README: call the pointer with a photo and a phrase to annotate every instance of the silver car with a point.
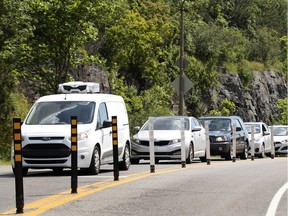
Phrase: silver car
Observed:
(167, 140)
(280, 133)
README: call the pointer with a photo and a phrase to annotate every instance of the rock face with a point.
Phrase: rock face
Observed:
(255, 102)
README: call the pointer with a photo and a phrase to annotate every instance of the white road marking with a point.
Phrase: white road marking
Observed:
(276, 199)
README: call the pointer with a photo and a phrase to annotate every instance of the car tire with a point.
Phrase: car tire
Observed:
(204, 158)
(262, 154)
(125, 164)
(94, 168)
(229, 155)
(244, 154)
(134, 161)
(190, 157)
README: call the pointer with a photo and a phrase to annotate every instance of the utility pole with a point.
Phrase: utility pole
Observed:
(181, 74)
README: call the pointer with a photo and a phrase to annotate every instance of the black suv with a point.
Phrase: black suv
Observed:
(221, 139)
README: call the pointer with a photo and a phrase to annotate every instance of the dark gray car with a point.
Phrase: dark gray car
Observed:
(221, 139)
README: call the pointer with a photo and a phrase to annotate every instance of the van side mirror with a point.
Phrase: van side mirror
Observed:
(107, 123)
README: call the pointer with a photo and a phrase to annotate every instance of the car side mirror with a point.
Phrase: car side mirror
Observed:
(107, 123)
(238, 128)
(137, 128)
(266, 133)
(196, 128)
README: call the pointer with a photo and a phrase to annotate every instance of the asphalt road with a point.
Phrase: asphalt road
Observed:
(223, 188)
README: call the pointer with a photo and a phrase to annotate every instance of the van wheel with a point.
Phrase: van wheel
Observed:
(125, 164)
(94, 168)
(190, 155)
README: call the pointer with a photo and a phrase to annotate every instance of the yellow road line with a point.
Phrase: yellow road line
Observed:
(39, 206)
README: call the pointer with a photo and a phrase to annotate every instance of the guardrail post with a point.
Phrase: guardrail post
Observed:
(115, 148)
(234, 142)
(252, 143)
(272, 144)
(18, 165)
(151, 145)
(207, 141)
(74, 161)
(183, 153)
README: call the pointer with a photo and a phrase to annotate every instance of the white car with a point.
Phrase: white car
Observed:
(280, 133)
(167, 140)
(262, 138)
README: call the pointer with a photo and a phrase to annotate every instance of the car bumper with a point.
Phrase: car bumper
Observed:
(219, 148)
(161, 152)
(258, 148)
(281, 148)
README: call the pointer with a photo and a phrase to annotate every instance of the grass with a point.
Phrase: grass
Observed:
(4, 162)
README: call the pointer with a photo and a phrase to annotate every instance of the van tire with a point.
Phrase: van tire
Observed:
(94, 168)
(125, 164)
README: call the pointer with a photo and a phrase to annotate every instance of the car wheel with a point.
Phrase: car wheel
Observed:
(229, 155)
(244, 154)
(94, 168)
(262, 155)
(203, 159)
(134, 161)
(190, 155)
(125, 164)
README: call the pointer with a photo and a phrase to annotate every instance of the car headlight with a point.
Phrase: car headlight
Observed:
(284, 141)
(174, 141)
(136, 141)
(257, 139)
(221, 138)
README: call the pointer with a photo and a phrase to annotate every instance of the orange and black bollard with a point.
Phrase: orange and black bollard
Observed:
(74, 162)
(18, 165)
(115, 148)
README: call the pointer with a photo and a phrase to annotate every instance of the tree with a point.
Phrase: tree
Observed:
(282, 107)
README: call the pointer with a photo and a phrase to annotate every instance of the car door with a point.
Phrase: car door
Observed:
(199, 135)
(267, 137)
(240, 136)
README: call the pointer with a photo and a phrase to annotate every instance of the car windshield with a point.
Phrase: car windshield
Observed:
(60, 112)
(218, 124)
(256, 128)
(280, 131)
(167, 124)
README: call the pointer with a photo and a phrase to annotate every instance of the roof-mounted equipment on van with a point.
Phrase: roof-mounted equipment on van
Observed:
(78, 87)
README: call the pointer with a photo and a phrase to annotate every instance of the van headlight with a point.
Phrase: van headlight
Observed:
(221, 139)
(81, 136)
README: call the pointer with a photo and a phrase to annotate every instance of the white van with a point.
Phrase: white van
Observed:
(46, 131)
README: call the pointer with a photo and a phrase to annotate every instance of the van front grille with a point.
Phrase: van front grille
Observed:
(51, 150)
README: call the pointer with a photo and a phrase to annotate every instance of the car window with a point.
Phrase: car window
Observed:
(256, 128)
(280, 131)
(219, 124)
(102, 115)
(167, 124)
(236, 121)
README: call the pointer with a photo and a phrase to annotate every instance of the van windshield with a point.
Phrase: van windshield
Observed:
(60, 112)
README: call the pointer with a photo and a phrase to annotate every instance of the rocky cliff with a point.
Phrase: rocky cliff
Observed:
(255, 102)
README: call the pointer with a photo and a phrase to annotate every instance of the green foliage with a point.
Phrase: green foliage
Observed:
(226, 108)
(282, 107)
